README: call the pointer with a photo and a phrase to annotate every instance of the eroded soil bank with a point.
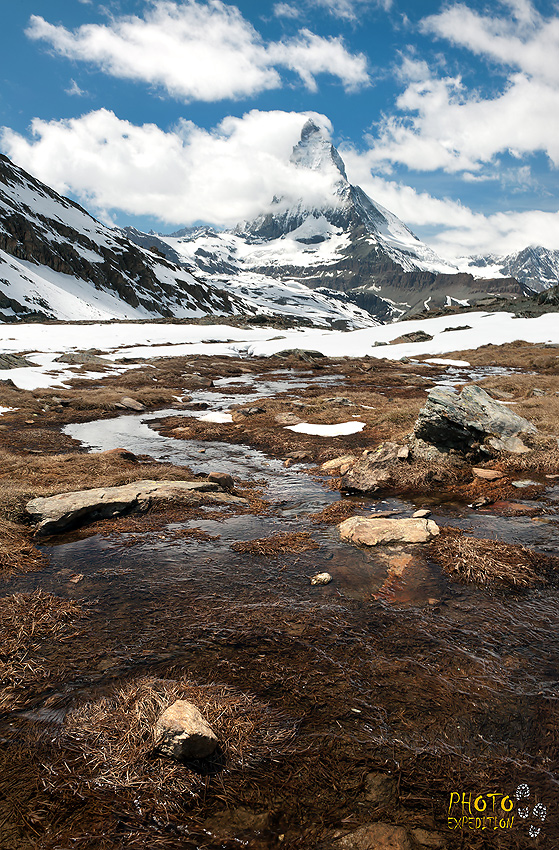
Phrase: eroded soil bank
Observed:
(368, 701)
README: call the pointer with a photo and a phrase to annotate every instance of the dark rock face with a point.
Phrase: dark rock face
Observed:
(463, 422)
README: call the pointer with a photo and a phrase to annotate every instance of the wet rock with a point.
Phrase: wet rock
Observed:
(370, 471)
(371, 532)
(522, 483)
(376, 836)
(299, 455)
(13, 361)
(338, 462)
(223, 479)
(464, 421)
(197, 381)
(132, 404)
(421, 514)
(488, 474)
(183, 733)
(380, 789)
(510, 444)
(321, 578)
(433, 840)
(68, 510)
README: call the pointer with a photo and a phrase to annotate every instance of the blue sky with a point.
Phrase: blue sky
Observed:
(162, 113)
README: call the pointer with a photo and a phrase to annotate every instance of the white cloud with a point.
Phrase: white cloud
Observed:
(350, 9)
(74, 89)
(284, 10)
(200, 51)
(455, 229)
(443, 125)
(189, 174)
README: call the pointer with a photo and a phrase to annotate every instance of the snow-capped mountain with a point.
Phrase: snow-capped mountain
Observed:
(56, 261)
(345, 247)
(535, 266)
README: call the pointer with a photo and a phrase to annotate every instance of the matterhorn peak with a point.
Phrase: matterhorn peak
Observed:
(316, 151)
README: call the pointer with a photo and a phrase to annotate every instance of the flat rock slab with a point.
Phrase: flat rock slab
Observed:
(488, 474)
(372, 532)
(55, 514)
(183, 733)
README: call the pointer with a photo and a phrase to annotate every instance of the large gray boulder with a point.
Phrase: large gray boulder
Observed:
(55, 514)
(464, 421)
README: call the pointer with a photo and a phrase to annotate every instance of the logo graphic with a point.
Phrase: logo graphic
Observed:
(538, 812)
(496, 810)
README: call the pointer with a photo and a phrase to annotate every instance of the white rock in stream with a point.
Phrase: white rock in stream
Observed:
(183, 733)
(321, 578)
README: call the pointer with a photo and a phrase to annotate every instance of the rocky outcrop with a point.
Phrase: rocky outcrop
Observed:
(366, 531)
(183, 733)
(463, 422)
(55, 514)
(373, 469)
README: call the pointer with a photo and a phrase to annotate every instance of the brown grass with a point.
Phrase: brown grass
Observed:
(278, 544)
(472, 560)
(518, 355)
(336, 512)
(27, 620)
(110, 743)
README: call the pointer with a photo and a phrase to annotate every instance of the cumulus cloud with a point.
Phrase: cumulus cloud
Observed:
(454, 229)
(200, 51)
(440, 123)
(181, 176)
(349, 10)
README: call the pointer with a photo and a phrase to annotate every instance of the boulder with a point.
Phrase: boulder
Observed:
(79, 358)
(376, 836)
(55, 514)
(464, 421)
(413, 336)
(338, 463)
(223, 479)
(132, 404)
(13, 361)
(370, 471)
(303, 354)
(183, 733)
(367, 531)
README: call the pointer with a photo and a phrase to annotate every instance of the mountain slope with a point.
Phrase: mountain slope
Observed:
(344, 246)
(535, 266)
(56, 261)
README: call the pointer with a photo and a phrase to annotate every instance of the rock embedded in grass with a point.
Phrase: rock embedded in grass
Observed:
(367, 531)
(183, 733)
(321, 579)
(376, 836)
(464, 421)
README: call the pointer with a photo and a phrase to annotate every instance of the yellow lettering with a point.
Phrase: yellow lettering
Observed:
(453, 794)
(479, 808)
(467, 802)
(493, 795)
(504, 807)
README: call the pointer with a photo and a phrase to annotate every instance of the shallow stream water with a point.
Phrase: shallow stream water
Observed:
(468, 674)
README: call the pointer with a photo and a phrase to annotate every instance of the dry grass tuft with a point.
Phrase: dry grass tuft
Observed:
(27, 620)
(278, 544)
(336, 512)
(111, 743)
(471, 560)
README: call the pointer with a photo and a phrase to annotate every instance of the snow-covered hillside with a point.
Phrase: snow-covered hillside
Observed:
(535, 266)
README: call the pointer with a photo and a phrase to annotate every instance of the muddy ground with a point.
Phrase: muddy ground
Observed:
(334, 712)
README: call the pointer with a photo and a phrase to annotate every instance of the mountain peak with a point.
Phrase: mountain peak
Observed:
(316, 151)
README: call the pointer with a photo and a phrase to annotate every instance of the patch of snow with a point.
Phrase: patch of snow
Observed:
(338, 430)
(215, 416)
(439, 361)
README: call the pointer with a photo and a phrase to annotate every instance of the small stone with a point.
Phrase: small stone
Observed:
(524, 482)
(132, 404)
(510, 444)
(223, 479)
(488, 474)
(183, 733)
(321, 578)
(421, 514)
(432, 601)
(334, 465)
(75, 578)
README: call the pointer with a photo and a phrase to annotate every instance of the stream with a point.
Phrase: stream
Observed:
(465, 674)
